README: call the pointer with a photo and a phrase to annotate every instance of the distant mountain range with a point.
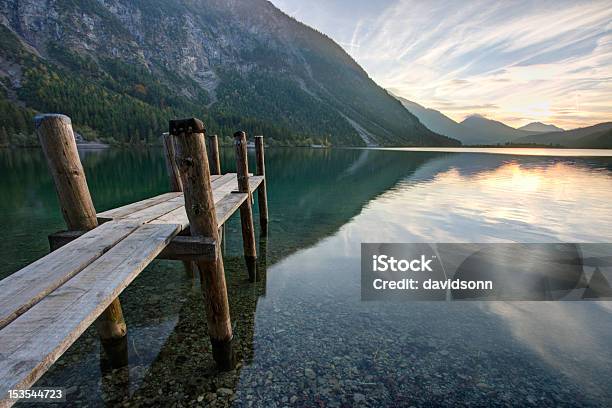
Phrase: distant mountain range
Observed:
(594, 137)
(478, 130)
(490, 131)
(473, 130)
(540, 128)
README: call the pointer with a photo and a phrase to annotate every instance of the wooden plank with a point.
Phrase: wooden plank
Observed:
(229, 205)
(156, 211)
(183, 247)
(254, 182)
(125, 210)
(119, 212)
(36, 339)
(221, 186)
(24, 288)
(137, 206)
(188, 248)
(224, 207)
(223, 180)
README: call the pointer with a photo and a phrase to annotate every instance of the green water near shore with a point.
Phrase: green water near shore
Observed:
(303, 335)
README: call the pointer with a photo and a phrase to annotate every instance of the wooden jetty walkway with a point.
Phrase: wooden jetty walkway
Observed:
(47, 305)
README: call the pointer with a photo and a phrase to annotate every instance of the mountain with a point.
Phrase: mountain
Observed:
(493, 130)
(597, 136)
(437, 122)
(472, 131)
(597, 140)
(477, 129)
(122, 68)
(540, 128)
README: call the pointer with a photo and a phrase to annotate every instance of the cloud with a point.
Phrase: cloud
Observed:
(453, 106)
(515, 60)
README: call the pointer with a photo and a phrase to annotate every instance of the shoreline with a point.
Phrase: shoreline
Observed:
(515, 151)
(523, 151)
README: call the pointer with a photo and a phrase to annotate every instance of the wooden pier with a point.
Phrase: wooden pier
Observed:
(47, 305)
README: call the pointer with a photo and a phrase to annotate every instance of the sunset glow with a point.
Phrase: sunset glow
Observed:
(514, 61)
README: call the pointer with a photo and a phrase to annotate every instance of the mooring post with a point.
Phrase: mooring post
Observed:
(246, 209)
(195, 174)
(262, 194)
(59, 146)
(213, 150)
(215, 168)
(173, 171)
(175, 181)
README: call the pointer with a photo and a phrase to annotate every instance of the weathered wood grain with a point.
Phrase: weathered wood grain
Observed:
(262, 193)
(155, 211)
(200, 208)
(173, 172)
(58, 143)
(182, 247)
(33, 341)
(224, 187)
(175, 179)
(224, 208)
(254, 183)
(228, 206)
(137, 206)
(155, 207)
(128, 209)
(188, 248)
(24, 288)
(225, 205)
(246, 208)
(213, 153)
(39, 315)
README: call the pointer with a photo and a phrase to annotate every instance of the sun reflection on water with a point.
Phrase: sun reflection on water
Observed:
(512, 202)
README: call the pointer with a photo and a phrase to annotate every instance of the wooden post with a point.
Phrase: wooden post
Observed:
(262, 194)
(246, 209)
(175, 181)
(173, 171)
(58, 143)
(213, 150)
(215, 168)
(195, 174)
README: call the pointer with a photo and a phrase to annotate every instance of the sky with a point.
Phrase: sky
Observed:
(513, 61)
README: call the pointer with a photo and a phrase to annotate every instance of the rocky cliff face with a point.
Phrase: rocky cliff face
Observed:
(234, 62)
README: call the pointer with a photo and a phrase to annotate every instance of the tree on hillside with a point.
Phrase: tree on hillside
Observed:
(4, 138)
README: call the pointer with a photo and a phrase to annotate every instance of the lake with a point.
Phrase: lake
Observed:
(303, 335)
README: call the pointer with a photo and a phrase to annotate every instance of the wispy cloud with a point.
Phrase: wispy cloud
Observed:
(515, 61)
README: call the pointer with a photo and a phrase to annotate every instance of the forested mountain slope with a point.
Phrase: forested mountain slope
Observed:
(122, 68)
